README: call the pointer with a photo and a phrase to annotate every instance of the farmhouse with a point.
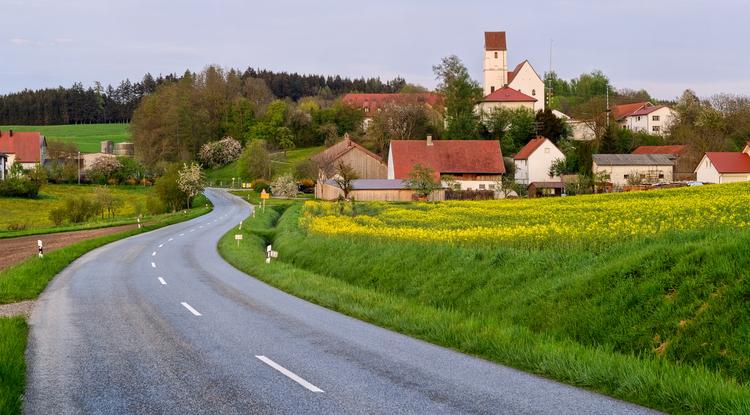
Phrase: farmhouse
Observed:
(26, 148)
(684, 161)
(534, 160)
(365, 163)
(375, 189)
(634, 168)
(372, 104)
(644, 117)
(473, 164)
(724, 167)
(522, 79)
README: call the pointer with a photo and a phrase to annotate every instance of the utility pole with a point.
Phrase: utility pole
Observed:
(607, 86)
(549, 77)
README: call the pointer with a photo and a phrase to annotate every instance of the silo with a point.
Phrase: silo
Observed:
(106, 147)
(124, 149)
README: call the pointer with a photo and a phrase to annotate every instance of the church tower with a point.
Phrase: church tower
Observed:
(495, 62)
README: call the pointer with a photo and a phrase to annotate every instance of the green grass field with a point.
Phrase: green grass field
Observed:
(658, 318)
(85, 136)
(282, 164)
(33, 214)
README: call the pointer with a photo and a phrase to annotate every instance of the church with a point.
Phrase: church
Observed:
(520, 88)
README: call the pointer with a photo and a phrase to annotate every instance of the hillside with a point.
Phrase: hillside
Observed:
(641, 296)
(86, 136)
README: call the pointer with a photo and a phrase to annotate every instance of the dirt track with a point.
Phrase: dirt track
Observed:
(15, 250)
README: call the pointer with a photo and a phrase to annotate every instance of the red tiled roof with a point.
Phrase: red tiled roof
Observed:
(675, 149)
(375, 101)
(25, 145)
(494, 41)
(529, 148)
(507, 94)
(621, 111)
(647, 110)
(447, 157)
(730, 162)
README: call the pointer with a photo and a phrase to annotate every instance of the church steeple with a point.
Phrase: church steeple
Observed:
(495, 62)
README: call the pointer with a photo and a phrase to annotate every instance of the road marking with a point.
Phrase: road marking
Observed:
(161, 280)
(182, 234)
(191, 309)
(153, 253)
(200, 226)
(170, 239)
(192, 230)
(153, 265)
(309, 386)
(160, 245)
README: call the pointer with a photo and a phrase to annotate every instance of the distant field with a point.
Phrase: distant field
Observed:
(85, 136)
(281, 164)
(33, 214)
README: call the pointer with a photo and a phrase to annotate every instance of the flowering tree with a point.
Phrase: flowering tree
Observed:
(285, 186)
(219, 153)
(190, 180)
(103, 169)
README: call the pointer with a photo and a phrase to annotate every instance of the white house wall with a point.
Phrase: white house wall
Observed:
(617, 173)
(540, 162)
(706, 172)
(528, 82)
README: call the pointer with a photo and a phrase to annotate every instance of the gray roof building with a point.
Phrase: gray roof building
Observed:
(632, 160)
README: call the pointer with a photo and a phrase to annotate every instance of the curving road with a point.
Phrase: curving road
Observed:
(159, 323)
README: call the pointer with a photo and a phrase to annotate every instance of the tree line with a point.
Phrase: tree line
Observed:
(99, 104)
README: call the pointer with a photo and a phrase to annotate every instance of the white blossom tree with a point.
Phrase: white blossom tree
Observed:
(285, 186)
(190, 180)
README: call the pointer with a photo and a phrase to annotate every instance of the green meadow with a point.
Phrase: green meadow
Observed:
(86, 136)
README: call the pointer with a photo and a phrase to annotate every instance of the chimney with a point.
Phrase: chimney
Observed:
(429, 140)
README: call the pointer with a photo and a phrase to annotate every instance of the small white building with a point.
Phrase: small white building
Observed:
(534, 161)
(579, 130)
(645, 168)
(724, 167)
(644, 117)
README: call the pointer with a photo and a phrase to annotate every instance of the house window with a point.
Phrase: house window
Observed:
(707, 164)
(533, 92)
(655, 128)
(367, 109)
(481, 187)
(495, 55)
(637, 118)
(546, 149)
(655, 118)
(661, 175)
(492, 89)
(626, 176)
(492, 187)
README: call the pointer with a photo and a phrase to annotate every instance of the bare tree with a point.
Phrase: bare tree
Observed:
(345, 177)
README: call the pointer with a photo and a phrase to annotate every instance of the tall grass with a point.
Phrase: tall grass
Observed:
(13, 333)
(587, 319)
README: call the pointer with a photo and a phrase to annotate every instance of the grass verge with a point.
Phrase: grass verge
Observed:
(13, 332)
(635, 377)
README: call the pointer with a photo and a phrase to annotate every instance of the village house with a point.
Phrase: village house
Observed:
(473, 164)
(579, 130)
(26, 148)
(534, 161)
(644, 117)
(366, 164)
(724, 167)
(684, 161)
(526, 84)
(624, 169)
(372, 104)
(3, 165)
(375, 189)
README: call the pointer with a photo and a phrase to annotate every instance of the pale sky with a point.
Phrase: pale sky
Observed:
(664, 46)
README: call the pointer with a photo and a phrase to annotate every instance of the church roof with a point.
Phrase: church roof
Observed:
(494, 41)
(507, 94)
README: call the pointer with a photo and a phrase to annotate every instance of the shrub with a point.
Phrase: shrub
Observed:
(19, 186)
(16, 226)
(154, 206)
(57, 215)
(75, 209)
(260, 185)
(168, 191)
(219, 153)
(285, 186)
(255, 162)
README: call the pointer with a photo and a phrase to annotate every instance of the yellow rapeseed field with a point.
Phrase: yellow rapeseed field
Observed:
(536, 222)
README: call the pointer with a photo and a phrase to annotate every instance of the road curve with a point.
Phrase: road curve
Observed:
(158, 323)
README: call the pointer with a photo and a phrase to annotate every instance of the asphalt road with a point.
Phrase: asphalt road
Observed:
(159, 323)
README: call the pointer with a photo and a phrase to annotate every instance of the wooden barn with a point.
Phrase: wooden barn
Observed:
(374, 189)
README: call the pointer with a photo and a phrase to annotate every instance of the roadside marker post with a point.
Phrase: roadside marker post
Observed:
(139, 222)
(270, 253)
(263, 196)
(241, 225)
(238, 238)
(41, 248)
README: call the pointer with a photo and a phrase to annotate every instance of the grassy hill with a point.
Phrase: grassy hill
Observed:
(642, 296)
(85, 136)
(281, 164)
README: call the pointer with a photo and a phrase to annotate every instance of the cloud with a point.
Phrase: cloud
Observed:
(24, 42)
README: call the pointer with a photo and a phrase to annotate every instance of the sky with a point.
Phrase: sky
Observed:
(663, 46)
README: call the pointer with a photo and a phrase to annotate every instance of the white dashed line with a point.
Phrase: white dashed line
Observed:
(182, 234)
(170, 239)
(153, 265)
(160, 245)
(161, 280)
(192, 230)
(191, 309)
(309, 386)
(153, 253)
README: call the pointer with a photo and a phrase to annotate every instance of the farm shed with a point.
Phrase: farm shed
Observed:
(373, 189)
(725, 167)
(683, 157)
(365, 163)
(545, 189)
(647, 168)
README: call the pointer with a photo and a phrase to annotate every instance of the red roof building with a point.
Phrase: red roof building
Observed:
(625, 110)
(724, 167)
(728, 162)
(529, 148)
(507, 94)
(495, 41)
(466, 160)
(26, 147)
(674, 149)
